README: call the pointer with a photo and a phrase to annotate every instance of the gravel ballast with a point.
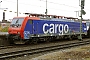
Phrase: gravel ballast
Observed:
(80, 53)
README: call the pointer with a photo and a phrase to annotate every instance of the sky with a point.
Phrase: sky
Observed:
(66, 8)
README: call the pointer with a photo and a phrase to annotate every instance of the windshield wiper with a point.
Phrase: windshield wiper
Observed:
(17, 21)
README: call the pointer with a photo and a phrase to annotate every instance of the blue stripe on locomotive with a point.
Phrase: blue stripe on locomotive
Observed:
(51, 27)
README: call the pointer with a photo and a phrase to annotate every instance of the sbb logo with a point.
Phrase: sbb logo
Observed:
(55, 28)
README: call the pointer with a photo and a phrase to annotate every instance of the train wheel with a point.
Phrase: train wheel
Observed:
(35, 41)
(48, 39)
(30, 41)
(11, 41)
(70, 37)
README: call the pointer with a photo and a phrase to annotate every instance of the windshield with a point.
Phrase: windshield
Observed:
(17, 22)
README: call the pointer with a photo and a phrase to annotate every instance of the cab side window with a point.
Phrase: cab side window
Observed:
(30, 21)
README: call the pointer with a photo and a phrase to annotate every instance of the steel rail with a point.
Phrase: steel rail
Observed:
(39, 50)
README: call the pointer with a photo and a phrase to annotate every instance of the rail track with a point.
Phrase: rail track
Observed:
(5, 47)
(43, 49)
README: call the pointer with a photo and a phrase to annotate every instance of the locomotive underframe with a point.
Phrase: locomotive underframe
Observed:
(12, 38)
(34, 38)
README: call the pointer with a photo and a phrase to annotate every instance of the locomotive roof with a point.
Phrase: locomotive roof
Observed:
(51, 16)
(33, 18)
(55, 16)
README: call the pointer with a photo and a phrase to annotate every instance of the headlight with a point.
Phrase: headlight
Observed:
(18, 32)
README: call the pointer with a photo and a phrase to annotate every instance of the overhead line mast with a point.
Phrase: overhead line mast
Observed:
(82, 7)
(46, 9)
(17, 8)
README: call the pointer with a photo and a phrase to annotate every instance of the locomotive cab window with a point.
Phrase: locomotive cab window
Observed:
(17, 22)
(31, 22)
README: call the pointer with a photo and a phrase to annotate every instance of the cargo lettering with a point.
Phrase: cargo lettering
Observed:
(55, 28)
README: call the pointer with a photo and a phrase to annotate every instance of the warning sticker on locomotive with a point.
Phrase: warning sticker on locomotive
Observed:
(26, 34)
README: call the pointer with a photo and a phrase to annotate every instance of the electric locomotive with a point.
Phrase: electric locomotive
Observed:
(39, 27)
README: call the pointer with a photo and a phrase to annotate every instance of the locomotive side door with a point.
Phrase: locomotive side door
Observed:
(29, 26)
(28, 30)
(35, 27)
